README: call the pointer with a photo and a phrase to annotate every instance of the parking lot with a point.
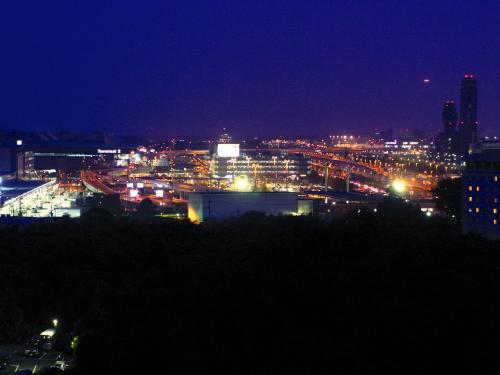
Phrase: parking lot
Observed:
(19, 362)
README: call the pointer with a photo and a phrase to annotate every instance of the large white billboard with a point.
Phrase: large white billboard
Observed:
(228, 150)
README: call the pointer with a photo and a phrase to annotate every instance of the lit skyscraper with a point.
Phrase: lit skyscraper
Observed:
(468, 113)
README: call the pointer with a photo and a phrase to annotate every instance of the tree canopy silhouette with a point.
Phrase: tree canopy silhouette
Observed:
(254, 294)
(146, 208)
(448, 195)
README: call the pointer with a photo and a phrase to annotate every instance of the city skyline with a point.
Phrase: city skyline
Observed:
(258, 69)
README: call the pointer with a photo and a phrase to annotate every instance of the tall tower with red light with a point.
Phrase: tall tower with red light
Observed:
(468, 113)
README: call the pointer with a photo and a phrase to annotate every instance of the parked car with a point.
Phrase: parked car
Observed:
(49, 370)
(61, 364)
(33, 347)
(23, 372)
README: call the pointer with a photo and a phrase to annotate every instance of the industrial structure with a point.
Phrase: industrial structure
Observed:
(219, 205)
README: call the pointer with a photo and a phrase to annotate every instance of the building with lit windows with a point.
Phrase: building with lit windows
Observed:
(68, 158)
(481, 191)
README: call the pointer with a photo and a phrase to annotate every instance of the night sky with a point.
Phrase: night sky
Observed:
(257, 67)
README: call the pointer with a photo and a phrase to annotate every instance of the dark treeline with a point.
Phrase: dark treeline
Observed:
(254, 295)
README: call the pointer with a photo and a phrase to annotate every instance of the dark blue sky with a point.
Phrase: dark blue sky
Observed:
(256, 67)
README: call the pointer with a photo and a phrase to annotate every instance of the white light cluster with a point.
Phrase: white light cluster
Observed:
(228, 150)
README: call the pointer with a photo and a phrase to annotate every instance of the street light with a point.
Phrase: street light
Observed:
(255, 166)
(233, 160)
(275, 169)
(55, 322)
(241, 183)
(286, 166)
(399, 186)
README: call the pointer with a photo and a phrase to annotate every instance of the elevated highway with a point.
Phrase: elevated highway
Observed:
(93, 181)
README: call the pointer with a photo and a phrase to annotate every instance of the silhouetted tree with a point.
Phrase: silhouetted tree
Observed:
(447, 195)
(254, 295)
(109, 202)
(146, 208)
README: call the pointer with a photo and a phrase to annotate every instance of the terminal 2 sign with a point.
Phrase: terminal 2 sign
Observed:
(109, 151)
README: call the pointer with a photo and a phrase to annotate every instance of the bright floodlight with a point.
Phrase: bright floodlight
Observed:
(241, 183)
(55, 322)
(399, 186)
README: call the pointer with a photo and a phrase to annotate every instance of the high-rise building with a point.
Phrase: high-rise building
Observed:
(468, 113)
(449, 117)
(447, 142)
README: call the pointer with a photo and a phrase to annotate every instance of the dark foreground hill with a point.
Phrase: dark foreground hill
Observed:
(255, 295)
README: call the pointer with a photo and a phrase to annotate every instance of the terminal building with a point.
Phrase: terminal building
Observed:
(27, 155)
(37, 160)
(481, 191)
(204, 206)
